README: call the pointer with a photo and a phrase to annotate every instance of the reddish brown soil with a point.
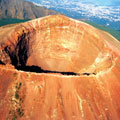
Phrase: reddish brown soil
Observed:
(57, 43)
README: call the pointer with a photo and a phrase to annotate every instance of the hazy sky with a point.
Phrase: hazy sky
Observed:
(98, 2)
(104, 2)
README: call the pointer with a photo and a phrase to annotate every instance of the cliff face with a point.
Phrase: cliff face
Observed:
(21, 9)
(80, 67)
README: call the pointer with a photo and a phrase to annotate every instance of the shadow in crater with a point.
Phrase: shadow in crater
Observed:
(39, 70)
(1, 63)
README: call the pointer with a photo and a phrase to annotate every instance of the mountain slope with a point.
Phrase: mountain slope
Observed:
(6, 21)
(21, 9)
(58, 43)
(115, 33)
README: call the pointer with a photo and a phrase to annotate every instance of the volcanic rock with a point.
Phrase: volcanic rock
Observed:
(57, 68)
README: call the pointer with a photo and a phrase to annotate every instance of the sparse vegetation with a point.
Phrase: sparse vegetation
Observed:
(14, 117)
(14, 74)
(115, 33)
(16, 110)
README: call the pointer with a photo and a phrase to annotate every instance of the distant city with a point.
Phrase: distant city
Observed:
(105, 12)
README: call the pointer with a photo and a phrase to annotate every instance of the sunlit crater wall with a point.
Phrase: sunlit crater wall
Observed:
(62, 44)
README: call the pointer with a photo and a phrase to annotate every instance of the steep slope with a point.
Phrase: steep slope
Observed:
(58, 44)
(22, 10)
